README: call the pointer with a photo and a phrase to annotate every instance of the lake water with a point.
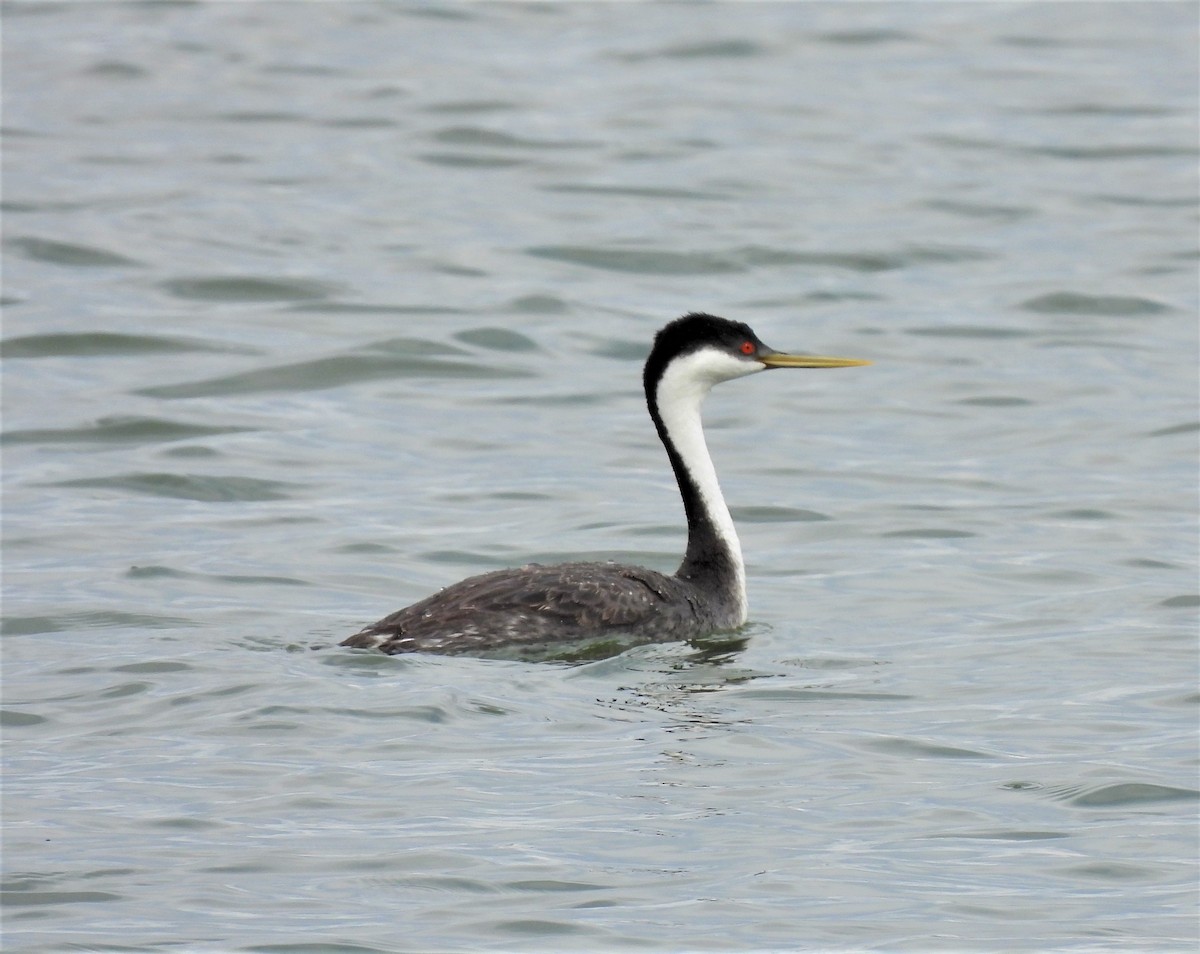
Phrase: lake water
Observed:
(311, 309)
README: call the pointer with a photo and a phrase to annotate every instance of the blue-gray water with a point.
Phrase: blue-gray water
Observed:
(313, 308)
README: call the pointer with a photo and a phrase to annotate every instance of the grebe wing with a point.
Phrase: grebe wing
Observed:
(532, 603)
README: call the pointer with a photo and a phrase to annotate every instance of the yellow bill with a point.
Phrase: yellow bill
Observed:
(777, 359)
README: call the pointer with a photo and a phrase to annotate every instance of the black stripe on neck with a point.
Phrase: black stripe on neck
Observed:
(708, 562)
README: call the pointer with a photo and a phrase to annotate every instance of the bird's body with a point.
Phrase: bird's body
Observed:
(533, 604)
(538, 605)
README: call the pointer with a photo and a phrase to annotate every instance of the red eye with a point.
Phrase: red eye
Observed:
(748, 347)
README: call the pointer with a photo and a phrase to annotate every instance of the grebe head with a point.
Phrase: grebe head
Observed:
(700, 350)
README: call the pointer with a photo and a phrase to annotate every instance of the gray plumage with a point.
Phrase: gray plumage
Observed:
(537, 604)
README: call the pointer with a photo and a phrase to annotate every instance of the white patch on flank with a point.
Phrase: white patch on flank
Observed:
(681, 390)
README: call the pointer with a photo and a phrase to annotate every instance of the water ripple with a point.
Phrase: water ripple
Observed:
(1125, 795)
(67, 253)
(118, 430)
(206, 487)
(95, 619)
(247, 288)
(88, 343)
(1075, 303)
(331, 372)
(662, 262)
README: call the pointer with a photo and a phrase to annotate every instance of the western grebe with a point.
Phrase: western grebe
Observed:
(536, 604)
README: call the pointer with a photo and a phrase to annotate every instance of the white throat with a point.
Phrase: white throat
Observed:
(681, 390)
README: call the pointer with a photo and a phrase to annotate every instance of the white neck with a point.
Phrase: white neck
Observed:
(680, 392)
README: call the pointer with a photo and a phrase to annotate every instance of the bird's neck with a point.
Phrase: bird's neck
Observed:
(714, 556)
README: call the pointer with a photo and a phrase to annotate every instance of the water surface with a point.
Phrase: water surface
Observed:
(311, 310)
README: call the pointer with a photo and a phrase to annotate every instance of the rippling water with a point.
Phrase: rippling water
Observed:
(311, 309)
